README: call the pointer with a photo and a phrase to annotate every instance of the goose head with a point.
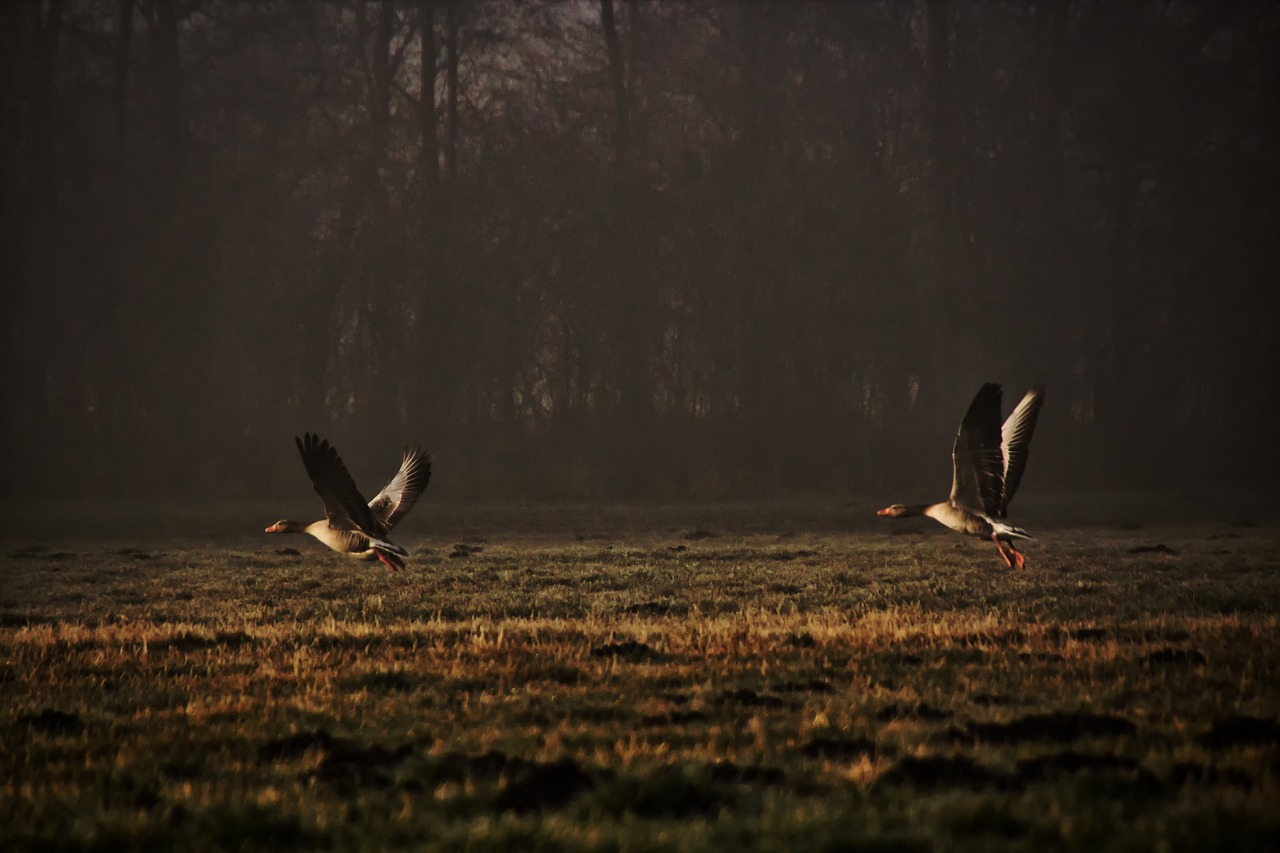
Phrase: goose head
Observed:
(286, 526)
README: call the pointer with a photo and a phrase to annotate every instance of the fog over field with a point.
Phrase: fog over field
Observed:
(634, 250)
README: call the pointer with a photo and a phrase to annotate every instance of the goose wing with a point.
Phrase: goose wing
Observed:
(343, 503)
(977, 462)
(1015, 440)
(400, 493)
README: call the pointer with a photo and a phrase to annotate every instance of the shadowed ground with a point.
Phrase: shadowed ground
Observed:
(705, 680)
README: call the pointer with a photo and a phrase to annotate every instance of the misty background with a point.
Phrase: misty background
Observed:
(617, 250)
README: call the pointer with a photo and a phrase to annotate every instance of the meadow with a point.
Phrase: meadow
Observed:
(623, 679)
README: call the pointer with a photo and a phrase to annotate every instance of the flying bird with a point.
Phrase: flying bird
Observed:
(987, 463)
(351, 525)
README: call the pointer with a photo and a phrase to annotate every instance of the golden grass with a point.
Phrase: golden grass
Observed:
(645, 690)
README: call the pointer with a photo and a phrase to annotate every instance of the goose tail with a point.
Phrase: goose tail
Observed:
(391, 554)
(390, 559)
(1009, 531)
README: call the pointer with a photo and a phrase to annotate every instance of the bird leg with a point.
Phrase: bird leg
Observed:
(1000, 545)
(1018, 560)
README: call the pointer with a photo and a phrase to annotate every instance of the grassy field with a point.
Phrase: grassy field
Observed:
(693, 680)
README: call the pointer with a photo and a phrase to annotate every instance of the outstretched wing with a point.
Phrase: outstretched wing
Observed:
(977, 463)
(1015, 441)
(400, 494)
(343, 503)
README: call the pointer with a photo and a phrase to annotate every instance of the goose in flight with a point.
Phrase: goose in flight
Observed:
(352, 526)
(987, 464)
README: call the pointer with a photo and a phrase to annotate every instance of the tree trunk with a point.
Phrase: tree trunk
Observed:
(617, 79)
(429, 154)
(943, 131)
(451, 93)
(379, 285)
(168, 82)
(416, 403)
(29, 214)
(380, 96)
(114, 359)
(947, 306)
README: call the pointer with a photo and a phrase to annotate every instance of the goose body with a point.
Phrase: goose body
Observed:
(987, 463)
(351, 525)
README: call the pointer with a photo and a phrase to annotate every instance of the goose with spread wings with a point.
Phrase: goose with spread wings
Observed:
(352, 526)
(988, 460)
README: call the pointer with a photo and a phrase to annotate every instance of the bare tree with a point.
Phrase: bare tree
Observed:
(633, 249)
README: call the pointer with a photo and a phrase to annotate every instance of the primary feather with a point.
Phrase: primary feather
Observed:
(1015, 442)
(343, 503)
(976, 460)
(401, 492)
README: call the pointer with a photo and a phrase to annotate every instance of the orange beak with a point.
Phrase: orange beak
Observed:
(275, 528)
(884, 511)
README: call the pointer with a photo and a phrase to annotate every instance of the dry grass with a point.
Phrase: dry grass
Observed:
(775, 690)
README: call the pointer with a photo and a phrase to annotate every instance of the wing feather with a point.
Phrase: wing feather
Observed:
(343, 503)
(401, 492)
(976, 458)
(1015, 442)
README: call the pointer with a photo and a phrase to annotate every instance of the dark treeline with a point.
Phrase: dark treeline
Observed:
(634, 250)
